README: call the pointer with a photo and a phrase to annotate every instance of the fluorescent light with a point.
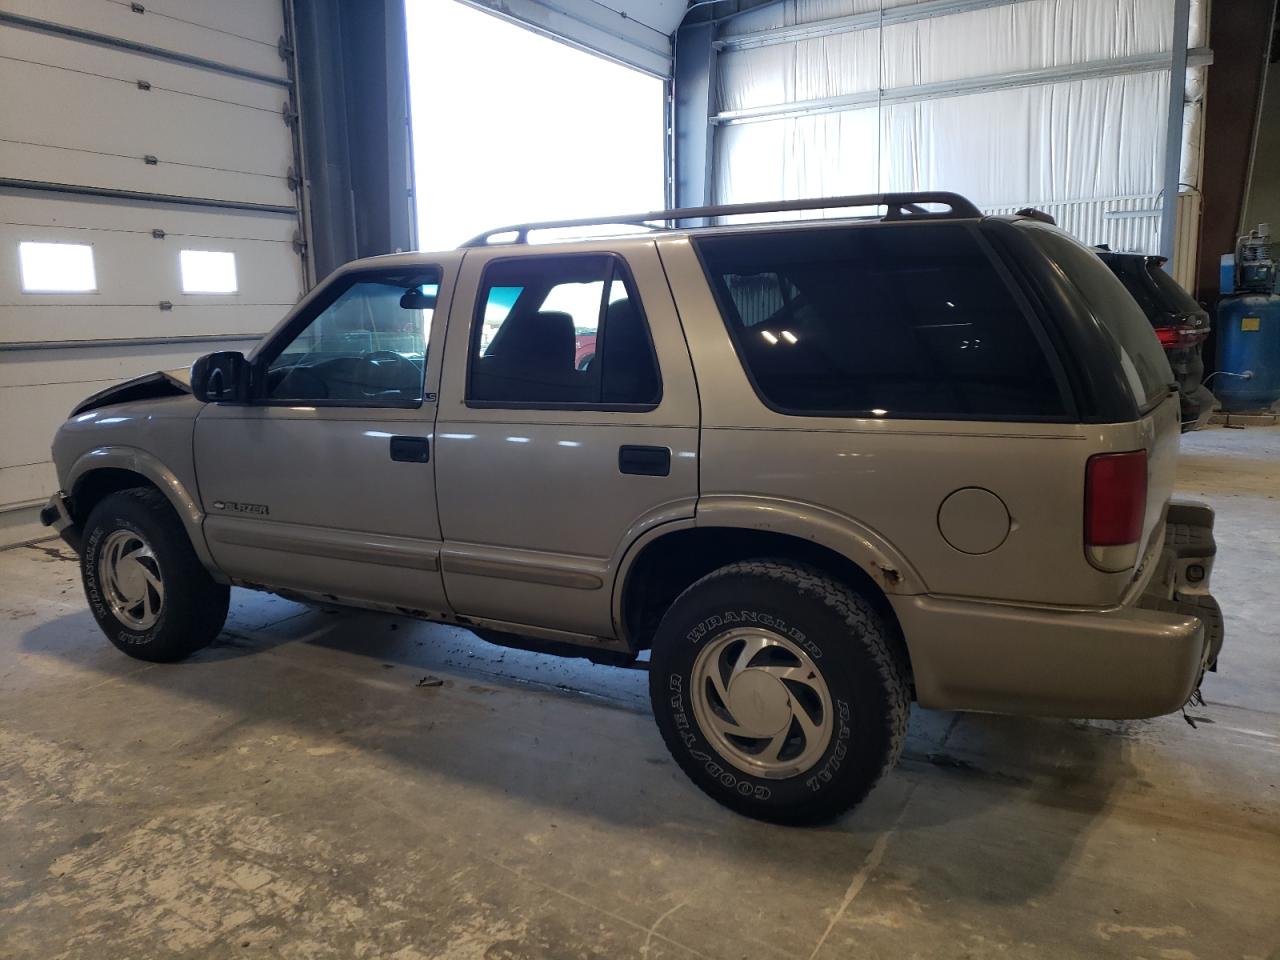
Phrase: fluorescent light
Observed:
(57, 267)
(208, 271)
(768, 336)
(790, 337)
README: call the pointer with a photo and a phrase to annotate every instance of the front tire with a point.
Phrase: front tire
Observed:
(145, 586)
(776, 691)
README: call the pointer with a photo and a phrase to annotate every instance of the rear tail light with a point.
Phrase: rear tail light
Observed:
(1115, 506)
(1180, 336)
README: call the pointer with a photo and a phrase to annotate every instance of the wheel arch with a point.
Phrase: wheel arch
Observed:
(105, 470)
(668, 559)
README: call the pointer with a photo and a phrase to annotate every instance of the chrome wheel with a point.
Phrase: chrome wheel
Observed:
(129, 575)
(761, 700)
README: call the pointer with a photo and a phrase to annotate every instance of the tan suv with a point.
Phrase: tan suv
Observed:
(817, 469)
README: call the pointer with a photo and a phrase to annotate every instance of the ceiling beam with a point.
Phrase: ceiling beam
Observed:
(1142, 63)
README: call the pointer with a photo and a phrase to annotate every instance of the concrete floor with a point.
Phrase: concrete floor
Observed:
(293, 792)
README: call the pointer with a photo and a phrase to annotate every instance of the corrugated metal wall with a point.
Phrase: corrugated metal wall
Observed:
(1057, 104)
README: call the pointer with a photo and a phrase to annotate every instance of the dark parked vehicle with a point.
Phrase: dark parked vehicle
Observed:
(1181, 324)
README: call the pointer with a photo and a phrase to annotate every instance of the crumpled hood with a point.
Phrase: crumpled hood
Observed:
(150, 386)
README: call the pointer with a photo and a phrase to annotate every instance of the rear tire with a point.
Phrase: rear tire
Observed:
(145, 585)
(776, 691)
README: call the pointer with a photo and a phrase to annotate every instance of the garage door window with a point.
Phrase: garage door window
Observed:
(367, 347)
(208, 271)
(561, 332)
(57, 267)
(909, 321)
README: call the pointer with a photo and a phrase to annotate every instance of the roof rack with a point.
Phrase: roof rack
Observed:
(901, 206)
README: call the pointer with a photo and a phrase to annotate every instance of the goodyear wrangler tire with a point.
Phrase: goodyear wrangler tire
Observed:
(776, 692)
(145, 586)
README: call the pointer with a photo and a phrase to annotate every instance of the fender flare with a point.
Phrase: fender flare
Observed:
(135, 460)
(863, 546)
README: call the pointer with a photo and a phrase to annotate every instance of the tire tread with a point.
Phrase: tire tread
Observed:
(202, 609)
(866, 627)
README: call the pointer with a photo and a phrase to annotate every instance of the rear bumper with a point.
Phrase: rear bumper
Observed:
(57, 514)
(1141, 659)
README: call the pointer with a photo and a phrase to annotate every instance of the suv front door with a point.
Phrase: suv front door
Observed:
(324, 481)
(568, 426)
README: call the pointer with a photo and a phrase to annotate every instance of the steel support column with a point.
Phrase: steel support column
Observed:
(694, 92)
(1173, 129)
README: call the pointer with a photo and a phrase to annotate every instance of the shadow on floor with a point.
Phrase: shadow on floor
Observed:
(562, 734)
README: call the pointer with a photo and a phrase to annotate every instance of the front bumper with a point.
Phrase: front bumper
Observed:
(57, 514)
(1144, 658)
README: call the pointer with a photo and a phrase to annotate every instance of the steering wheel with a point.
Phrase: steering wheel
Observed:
(377, 356)
(398, 373)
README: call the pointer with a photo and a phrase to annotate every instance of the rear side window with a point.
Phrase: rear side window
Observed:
(1137, 348)
(910, 321)
(561, 331)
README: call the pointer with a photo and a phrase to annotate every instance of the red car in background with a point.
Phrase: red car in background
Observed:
(584, 351)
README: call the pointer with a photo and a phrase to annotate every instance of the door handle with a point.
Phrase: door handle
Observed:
(410, 449)
(645, 461)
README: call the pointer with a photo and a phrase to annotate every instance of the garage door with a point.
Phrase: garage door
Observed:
(147, 208)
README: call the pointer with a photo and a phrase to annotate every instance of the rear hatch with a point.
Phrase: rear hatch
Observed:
(1124, 349)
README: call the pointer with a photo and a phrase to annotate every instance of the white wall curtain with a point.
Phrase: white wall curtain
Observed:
(1096, 141)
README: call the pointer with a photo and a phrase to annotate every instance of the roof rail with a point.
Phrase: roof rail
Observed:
(901, 206)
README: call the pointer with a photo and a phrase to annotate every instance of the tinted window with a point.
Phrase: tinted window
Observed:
(908, 321)
(561, 330)
(1161, 298)
(368, 346)
(1137, 349)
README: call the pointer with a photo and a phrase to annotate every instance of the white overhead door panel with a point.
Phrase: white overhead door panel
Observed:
(638, 36)
(58, 52)
(136, 254)
(139, 136)
(241, 34)
(156, 141)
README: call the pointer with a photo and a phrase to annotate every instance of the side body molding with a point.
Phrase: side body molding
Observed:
(138, 461)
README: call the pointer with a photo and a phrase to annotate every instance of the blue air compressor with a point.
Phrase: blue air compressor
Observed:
(1248, 325)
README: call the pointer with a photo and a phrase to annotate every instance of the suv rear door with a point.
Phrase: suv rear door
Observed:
(550, 464)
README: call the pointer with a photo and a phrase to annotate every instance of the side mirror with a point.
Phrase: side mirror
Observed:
(220, 376)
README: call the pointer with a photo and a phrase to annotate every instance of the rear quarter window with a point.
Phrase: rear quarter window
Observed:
(1138, 351)
(910, 321)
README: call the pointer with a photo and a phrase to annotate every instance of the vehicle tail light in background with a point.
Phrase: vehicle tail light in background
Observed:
(1180, 336)
(1115, 505)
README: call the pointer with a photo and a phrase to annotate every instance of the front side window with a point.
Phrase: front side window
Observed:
(910, 321)
(368, 347)
(561, 331)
